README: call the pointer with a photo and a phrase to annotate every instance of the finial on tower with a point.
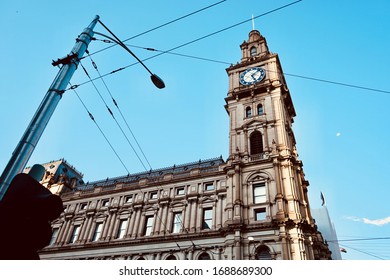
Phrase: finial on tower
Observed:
(253, 23)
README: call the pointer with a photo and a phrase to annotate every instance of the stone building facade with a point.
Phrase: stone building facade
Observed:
(254, 205)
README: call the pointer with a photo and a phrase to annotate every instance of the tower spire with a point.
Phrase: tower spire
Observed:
(253, 23)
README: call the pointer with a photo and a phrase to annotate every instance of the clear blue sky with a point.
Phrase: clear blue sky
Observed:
(342, 132)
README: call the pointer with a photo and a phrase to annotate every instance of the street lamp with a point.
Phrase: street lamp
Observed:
(157, 81)
(34, 131)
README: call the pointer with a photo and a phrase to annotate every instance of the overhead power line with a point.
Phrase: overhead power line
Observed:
(123, 117)
(163, 25)
(101, 131)
(113, 116)
(361, 239)
(190, 42)
(337, 83)
(286, 74)
(363, 252)
(230, 63)
(214, 33)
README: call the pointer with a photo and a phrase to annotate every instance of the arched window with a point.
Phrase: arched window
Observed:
(260, 109)
(253, 51)
(262, 253)
(248, 112)
(204, 256)
(171, 257)
(256, 143)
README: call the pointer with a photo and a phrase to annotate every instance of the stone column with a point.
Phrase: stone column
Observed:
(193, 216)
(246, 151)
(187, 219)
(265, 130)
(86, 228)
(136, 224)
(140, 223)
(157, 220)
(131, 224)
(164, 213)
(110, 225)
(63, 231)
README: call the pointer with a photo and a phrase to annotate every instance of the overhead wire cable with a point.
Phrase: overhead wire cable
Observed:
(113, 116)
(224, 29)
(119, 110)
(159, 187)
(101, 131)
(214, 33)
(286, 74)
(358, 240)
(337, 83)
(164, 24)
(193, 41)
(363, 252)
(73, 87)
(361, 239)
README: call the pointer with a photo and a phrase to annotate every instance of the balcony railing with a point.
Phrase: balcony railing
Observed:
(256, 157)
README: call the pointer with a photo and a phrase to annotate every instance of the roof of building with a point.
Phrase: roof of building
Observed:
(180, 170)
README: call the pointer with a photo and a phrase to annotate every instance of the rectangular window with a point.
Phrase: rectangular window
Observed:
(98, 232)
(129, 198)
(148, 225)
(177, 221)
(260, 214)
(75, 234)
(180, 191)
(105, 203)
(259, 193)
(122, 229)
(83, 206)
(153, 195)
(208, 186)
(207, 218)
(54, 236)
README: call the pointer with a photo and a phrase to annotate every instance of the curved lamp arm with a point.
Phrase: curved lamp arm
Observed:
(157, 81)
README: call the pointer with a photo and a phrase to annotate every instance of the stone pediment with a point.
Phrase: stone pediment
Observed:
(253, 122)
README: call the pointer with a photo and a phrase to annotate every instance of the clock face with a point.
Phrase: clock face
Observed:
(252, 75)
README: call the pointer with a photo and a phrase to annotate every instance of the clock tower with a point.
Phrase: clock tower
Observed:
(269, 202)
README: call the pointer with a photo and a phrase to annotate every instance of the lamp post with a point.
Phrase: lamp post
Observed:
(34, 131)
(29, 140)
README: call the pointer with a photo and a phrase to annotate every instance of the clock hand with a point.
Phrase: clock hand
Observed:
(253, 77)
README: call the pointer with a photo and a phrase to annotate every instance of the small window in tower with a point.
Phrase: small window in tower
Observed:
(253, 51)
(260, 214)
(248, 112)
(256, 143)
(259, 193)
(260, 109)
